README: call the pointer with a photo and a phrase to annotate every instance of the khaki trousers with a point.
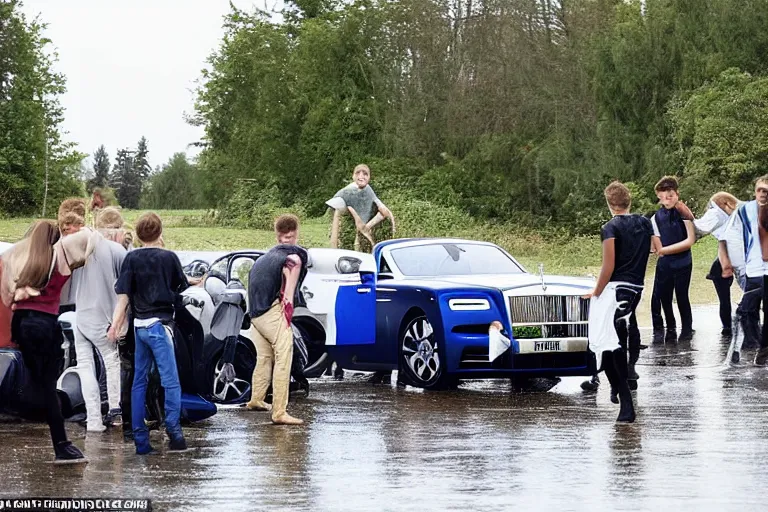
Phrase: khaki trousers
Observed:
(273, 340)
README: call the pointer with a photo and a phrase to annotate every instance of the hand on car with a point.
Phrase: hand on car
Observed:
(591, 294)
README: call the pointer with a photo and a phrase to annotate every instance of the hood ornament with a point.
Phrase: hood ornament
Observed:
(541, 275)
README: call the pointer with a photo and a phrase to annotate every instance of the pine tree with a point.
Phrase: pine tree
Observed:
(123, 179)
(100, 170)
(141, 162)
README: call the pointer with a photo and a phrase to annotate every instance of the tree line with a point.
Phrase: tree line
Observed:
(508, 110)
(518, 110)
(38, 169)
(134, 184)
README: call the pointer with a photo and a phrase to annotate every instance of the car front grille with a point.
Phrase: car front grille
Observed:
(549, 316)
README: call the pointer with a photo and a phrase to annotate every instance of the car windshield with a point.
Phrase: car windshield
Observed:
(449, 259)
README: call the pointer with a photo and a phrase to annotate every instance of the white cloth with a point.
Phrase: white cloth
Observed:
(497, 343)
(86, 370)
(753, 254)
(733, 236)
(145, 322)
(713, 222)
(602, 310)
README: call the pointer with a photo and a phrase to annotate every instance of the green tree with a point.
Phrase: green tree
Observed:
(175, 186)
(34, 161)
(100, 170)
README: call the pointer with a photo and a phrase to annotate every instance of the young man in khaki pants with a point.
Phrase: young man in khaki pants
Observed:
(272, 285)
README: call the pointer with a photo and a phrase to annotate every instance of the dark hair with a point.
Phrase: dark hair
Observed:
(286, 223)
(41, 240)
(618, 196)
(666, 183)
(149, 227)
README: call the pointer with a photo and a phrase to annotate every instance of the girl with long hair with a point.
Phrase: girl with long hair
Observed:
(34, 273)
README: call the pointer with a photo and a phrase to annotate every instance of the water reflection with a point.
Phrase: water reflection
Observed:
(698, 444)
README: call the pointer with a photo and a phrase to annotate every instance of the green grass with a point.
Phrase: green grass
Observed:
(560, 254)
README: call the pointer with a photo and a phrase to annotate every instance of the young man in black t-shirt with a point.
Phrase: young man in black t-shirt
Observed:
(272, 284)
(612, 321)
(150, 280)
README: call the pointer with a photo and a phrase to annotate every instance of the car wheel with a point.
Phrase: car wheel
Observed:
(238, 390)
(422, 363)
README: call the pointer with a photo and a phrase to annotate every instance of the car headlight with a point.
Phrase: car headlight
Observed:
(348, 265)
(469, 304)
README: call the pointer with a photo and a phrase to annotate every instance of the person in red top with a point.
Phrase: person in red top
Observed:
(34, 273)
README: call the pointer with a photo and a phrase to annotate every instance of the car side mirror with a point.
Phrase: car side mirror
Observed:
(367, 278)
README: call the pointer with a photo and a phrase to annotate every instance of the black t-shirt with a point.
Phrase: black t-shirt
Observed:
(266, 277)
(669, 226)
(632, 239)
(152, 278)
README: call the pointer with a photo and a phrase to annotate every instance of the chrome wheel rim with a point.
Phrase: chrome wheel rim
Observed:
(420, 350)
(221, 389)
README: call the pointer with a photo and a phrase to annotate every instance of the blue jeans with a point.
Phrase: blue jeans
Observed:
(152, 343)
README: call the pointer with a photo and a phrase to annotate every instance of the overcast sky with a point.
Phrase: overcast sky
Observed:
(131, 67)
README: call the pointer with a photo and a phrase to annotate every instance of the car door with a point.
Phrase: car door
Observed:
(354, 318)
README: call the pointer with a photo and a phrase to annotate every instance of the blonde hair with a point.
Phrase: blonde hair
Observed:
(109, 218)
(618, 196)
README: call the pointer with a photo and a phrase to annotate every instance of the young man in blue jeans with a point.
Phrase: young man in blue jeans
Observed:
(149, 281)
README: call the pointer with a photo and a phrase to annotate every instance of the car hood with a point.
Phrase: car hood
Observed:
(520, 284)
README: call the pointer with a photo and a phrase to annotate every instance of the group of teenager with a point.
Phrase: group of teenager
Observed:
(125, 299)
(114, 287)
(741, 229)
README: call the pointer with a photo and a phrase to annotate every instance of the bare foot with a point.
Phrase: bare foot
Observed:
(287, 419)
(258, 406)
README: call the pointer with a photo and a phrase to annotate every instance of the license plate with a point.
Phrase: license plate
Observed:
(547, 346)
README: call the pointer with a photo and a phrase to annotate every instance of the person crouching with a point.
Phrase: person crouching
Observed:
(149, 282)
(612, 321)
(272, 285)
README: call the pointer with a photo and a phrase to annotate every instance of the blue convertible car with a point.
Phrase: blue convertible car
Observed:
(431, 308)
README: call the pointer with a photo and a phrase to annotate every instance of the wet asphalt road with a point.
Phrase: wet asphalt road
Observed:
(699, 443)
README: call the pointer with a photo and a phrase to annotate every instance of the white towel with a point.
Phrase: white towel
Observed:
(602, 310)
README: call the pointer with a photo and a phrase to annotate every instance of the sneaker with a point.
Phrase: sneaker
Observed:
(686, 335)
(67, 453)
(727, 331)
(287, 419)
(113, 418)
(761, 357)
(178, 444)
(591, 384)
(670, 336)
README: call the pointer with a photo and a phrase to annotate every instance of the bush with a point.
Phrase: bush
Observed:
(254, 208)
